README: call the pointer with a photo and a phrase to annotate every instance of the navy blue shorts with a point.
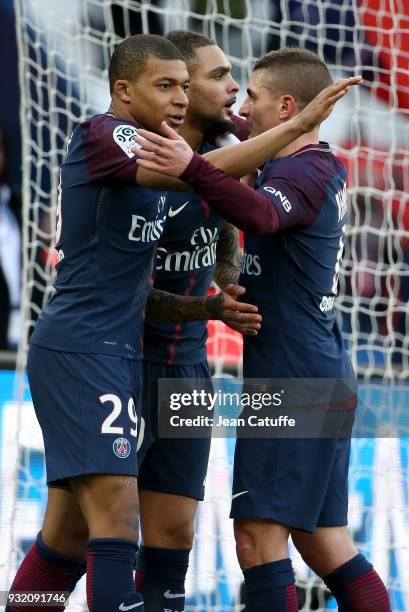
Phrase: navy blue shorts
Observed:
(88, 407)
(171, 465)
(301, 483)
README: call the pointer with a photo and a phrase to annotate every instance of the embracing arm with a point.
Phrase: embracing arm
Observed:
(165, 307)
(238, 159)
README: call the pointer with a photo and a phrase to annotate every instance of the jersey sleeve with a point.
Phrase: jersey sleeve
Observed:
(243, 131)
(236, 202)
(295, 194)
(108, 152)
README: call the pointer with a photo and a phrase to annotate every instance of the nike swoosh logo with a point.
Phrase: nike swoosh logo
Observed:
(173, 212)
(123, 607)
(238, 494)
(170, 595)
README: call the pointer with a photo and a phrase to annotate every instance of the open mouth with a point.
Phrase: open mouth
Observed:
(228, 106)
(176, 120)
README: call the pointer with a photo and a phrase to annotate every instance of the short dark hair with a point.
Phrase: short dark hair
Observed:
(297, 72)
(187, 42)
(130, 57)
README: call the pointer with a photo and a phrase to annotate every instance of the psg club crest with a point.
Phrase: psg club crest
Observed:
(121, 448)
(124, 136)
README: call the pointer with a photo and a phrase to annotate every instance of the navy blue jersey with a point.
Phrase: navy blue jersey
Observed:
(185, 265)
(107, 230)
(292, 276)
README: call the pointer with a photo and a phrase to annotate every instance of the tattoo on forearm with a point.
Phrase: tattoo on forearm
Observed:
(229, 256)
(162, 306)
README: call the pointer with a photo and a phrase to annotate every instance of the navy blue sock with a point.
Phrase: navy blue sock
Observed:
(160, 577)
(357, 587)
(270, 587)
(110, 582)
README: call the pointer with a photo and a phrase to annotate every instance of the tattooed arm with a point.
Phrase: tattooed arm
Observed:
(165, 307)
(228, 256)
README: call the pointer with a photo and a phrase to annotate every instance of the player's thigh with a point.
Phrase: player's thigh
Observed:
(175, 466)
(65, 528)
(260, 541)
(87, 406)
(167, 521)
(109, 504)
(325, 549)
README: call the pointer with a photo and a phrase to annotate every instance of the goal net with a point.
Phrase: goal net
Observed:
(64, 50)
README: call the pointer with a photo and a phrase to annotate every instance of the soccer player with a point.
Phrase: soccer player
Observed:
(296, 486)
(84, 360)
(302, 488)
(196, 245)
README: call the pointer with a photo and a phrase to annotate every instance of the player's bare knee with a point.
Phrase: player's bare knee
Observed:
(326, 549)
(246, 554)
(110, 505)
(307, 547)
(112, 524)
(120, 517)
(180, 535)
(259, 541)
(247, 543)
(173, 529)
(177, 534)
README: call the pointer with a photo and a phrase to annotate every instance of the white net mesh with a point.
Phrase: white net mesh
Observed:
(64, 50)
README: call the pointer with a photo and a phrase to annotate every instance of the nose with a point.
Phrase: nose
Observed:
(244, 109)
(234, 86)
(181, 98)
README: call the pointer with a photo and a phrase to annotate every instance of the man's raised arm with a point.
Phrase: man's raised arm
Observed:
(171, 155)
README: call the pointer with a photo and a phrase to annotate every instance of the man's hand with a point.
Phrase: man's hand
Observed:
(169, 154)
(321, 106)
(241, 317)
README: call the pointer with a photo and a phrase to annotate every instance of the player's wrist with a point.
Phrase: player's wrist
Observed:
(299, 125)
(193, 168)
(214, 307)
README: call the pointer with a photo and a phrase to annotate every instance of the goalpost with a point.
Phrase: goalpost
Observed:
(64, 50)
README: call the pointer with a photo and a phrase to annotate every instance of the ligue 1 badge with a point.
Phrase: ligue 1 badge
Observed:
(124, 136)
(122, 448)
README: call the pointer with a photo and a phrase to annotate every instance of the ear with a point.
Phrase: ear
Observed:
(288, 107)
(121, 90)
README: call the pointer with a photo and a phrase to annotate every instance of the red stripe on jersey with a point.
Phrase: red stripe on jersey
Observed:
(178, 326)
